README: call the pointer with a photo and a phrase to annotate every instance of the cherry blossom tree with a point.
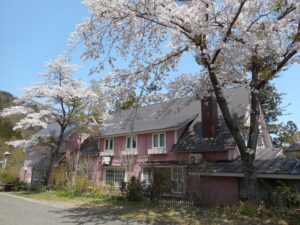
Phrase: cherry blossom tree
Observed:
(58, 99)
(235, 42)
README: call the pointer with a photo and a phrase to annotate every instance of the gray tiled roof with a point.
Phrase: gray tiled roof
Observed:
(268, 161)
(147, 118)
(193, 141)
(168, 115)
(53, 129)
(89, 147)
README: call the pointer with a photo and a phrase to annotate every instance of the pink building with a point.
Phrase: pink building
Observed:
(185, 146)
(37, 159)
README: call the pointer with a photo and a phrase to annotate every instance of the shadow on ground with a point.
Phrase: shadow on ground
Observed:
(120, 213)
(124, 214)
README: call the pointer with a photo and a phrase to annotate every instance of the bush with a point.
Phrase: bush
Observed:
(247, 209)
(7, 177)
(134, 190)
(22, 186)
(285, 195)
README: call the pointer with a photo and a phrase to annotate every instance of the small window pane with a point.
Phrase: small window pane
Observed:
(155, 140)
(110, 144)
(162, 140)
(106, 145)
(134, 142)
(128, 142)
(147, 176)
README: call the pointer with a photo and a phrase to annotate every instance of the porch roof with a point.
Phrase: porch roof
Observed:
(268, 163)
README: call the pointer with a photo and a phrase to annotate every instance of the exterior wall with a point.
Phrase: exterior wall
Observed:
(144, 142)
(72, 142)
(215, 156)
(34, 157)
(210, 191)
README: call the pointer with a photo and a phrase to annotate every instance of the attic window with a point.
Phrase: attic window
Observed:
(159, 140)
(109, 144)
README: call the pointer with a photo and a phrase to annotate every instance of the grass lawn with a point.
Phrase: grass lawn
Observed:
(154, 213)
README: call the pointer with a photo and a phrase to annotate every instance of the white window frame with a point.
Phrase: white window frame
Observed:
(158, 134)
(131, 141)
(114, 180)
(109, 139)
(143, 176)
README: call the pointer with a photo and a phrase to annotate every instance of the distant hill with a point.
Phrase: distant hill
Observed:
(7, 124)
(6, 99)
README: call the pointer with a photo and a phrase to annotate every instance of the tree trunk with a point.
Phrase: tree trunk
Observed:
(53, 155)
(247, 152)
(250, 178)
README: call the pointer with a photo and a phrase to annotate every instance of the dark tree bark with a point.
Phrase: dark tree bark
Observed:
(54, 154)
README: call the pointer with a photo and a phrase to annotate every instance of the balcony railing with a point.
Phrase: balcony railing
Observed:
(156, 151)
(130, 152)
(107, 153)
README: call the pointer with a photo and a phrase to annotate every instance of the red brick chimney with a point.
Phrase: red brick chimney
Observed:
(209, 111)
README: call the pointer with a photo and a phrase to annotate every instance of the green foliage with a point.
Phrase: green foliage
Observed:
(8, 177)
(285, 195)
(7, 124)
(286, 134)
(271, 101)
(65, 193)
(22, 186)
(133, 190)
(247, 209)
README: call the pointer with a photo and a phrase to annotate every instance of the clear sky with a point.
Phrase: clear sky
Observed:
(35, 31)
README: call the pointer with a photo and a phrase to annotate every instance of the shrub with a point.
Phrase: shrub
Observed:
(285, 195)
(7, 177)
(22, 186)
(248, 209)
(133, 190)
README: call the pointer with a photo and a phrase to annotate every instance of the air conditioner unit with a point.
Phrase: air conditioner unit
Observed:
(106, 160)
(195, 158)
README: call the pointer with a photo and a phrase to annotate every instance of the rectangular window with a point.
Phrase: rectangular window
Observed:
(177, 179)
(114, 177)
(159, 140)
(109, 144)
(147, 176)
(131, 142)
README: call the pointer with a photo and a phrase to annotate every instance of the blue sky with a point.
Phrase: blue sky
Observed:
(35, 31)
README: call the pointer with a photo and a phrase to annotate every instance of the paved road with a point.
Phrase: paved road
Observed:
(20, 211)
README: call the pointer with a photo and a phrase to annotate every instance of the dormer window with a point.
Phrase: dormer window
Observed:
(159, 140)
(109, 144)
(131, 142)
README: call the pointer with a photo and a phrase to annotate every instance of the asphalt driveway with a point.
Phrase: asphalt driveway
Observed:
(21, 211)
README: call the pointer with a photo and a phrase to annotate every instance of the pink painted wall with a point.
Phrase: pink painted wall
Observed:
(144, 142)
(211, 191)
(215, 156)
(72, 142)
